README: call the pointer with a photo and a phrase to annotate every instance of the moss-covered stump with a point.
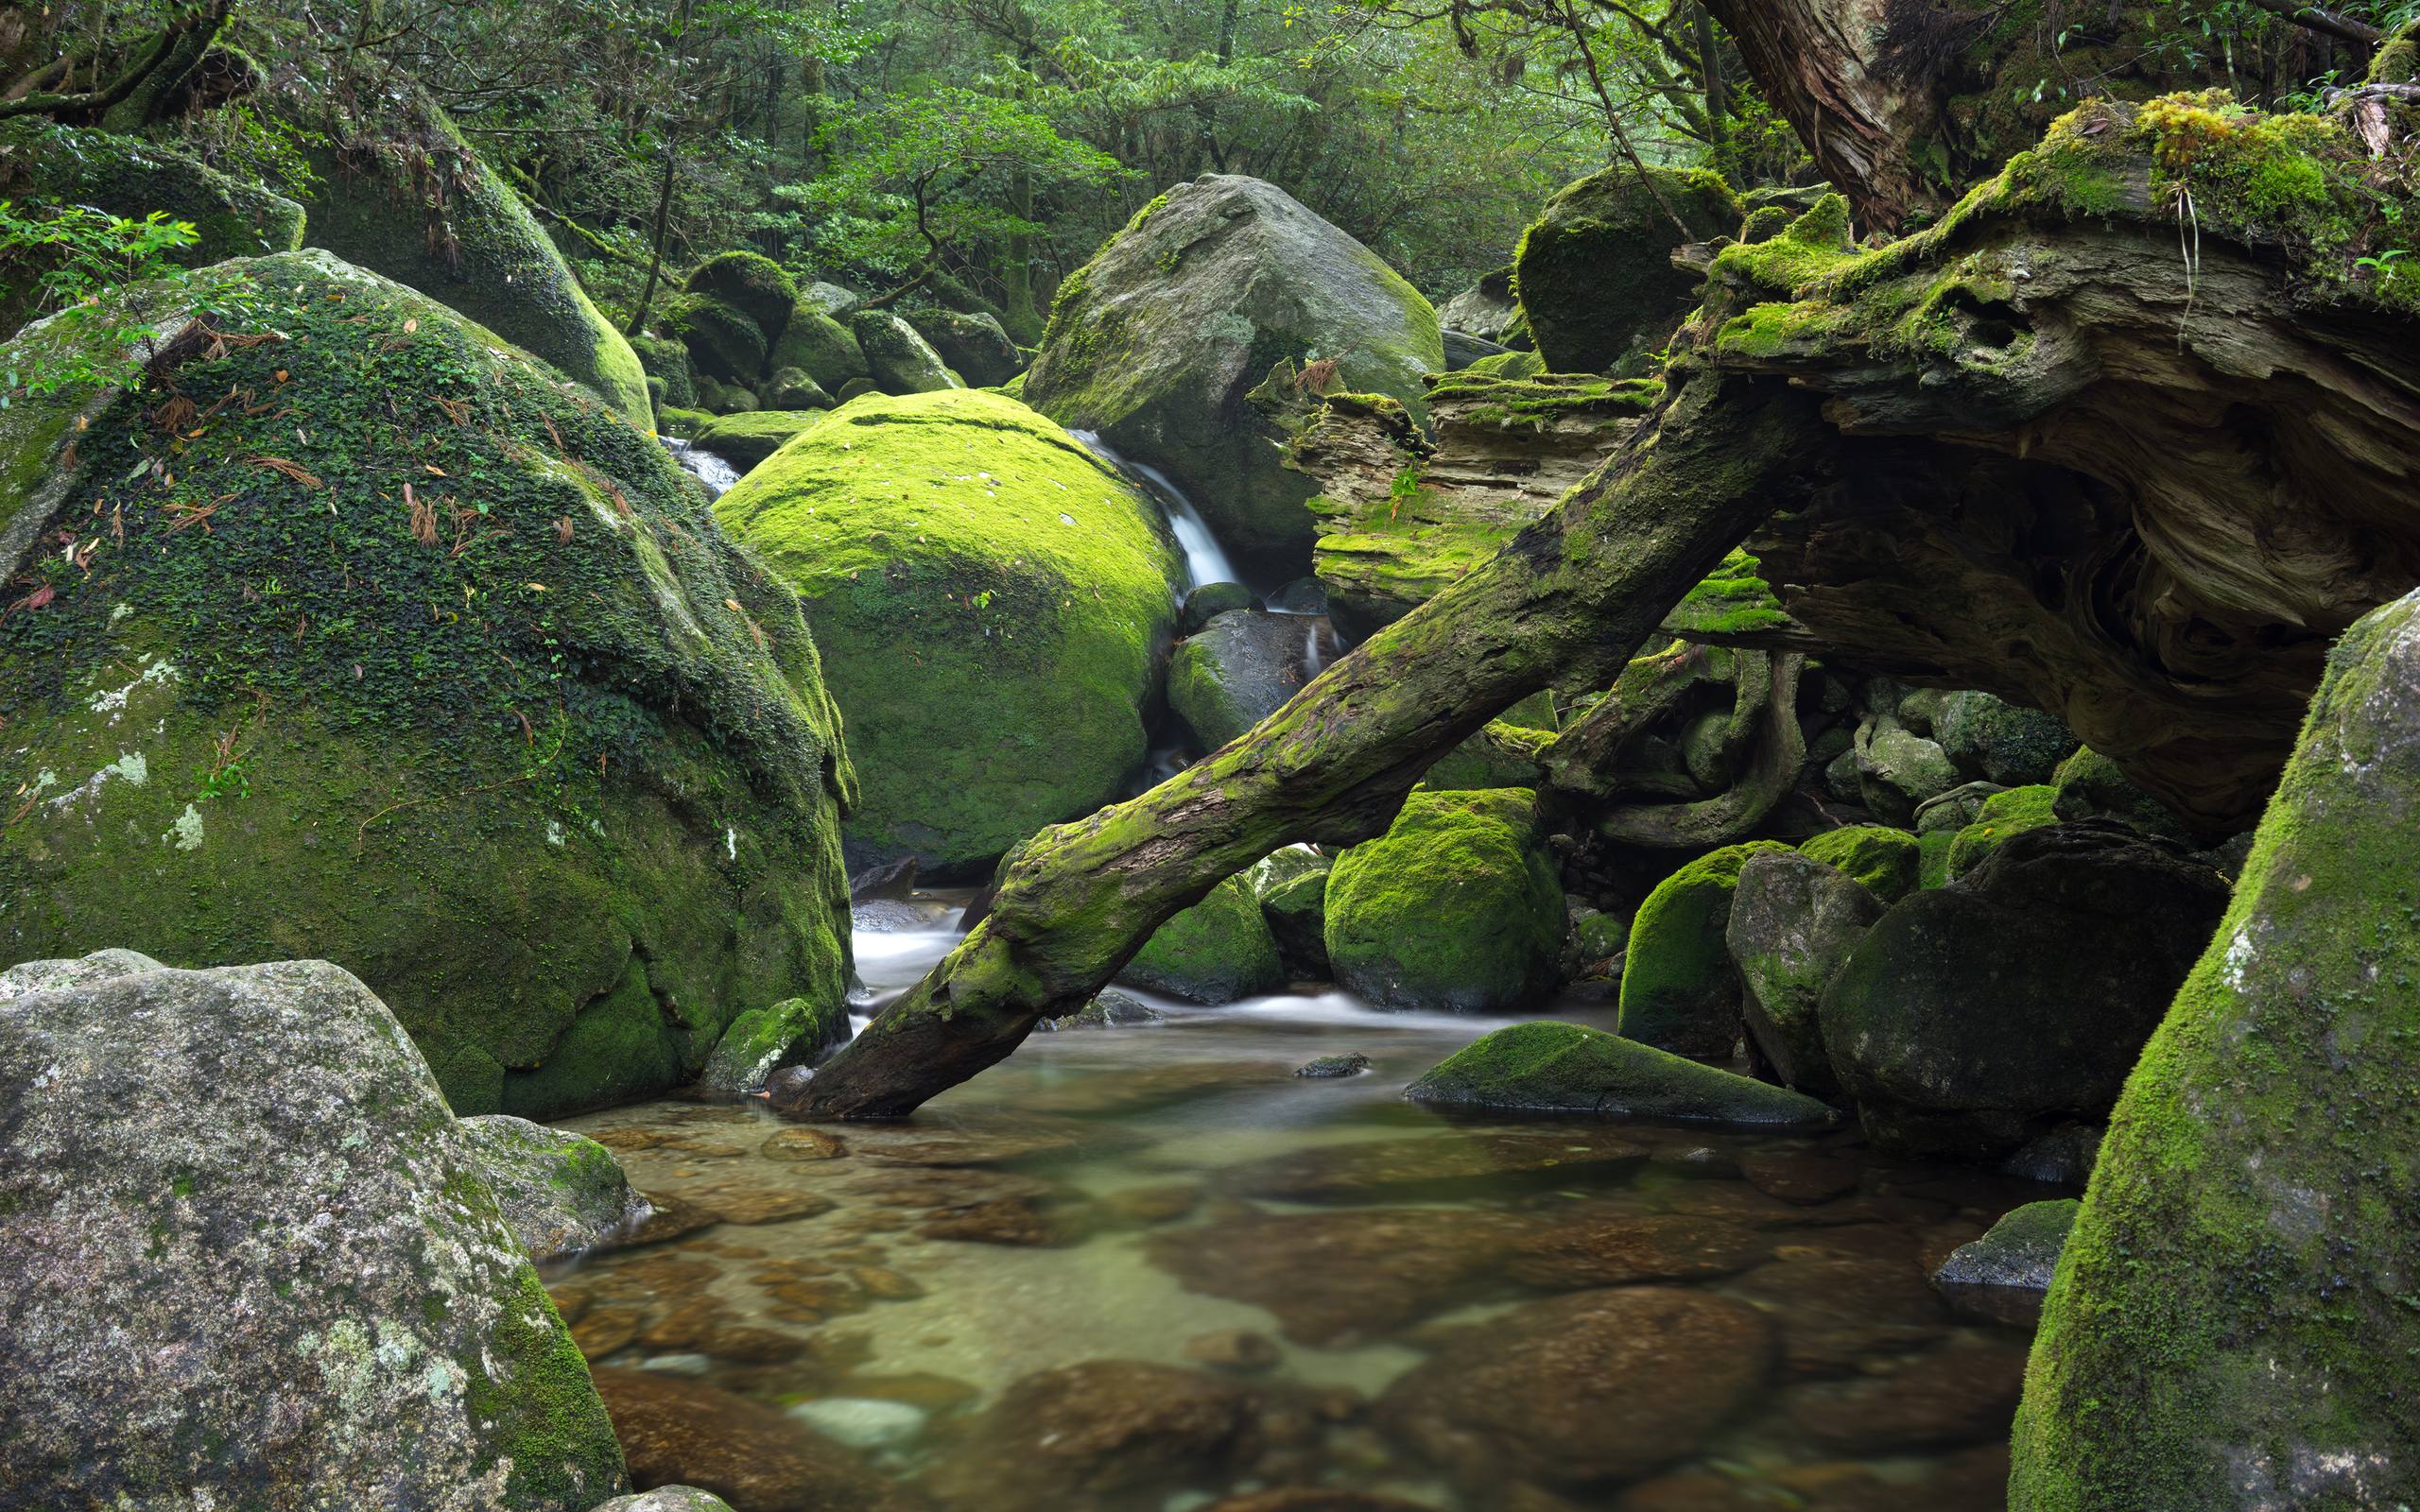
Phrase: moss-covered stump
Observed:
(750, 283)
(1565, 1067)
(1156, 342)
(1680, 991)
(2003, 814)
(819, 345)
(746, 440)
(1458, 906)
(560, 1194)
(466, 693)
(184, 1150)
(2231, 1324)
(990, 601)
(1217, 951)
(1793, 921)
(1594, 273)
(903, 362)
(1886, 863)
(399, 192)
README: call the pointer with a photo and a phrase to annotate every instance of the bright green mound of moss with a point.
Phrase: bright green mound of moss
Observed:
(483, 255)
(750, 283)
(554, 773)
(2013, 812)
(1564, 1068)
(1886, 863)
(1680, 991)
(2233, 1319)
(1217, 951)
(819, 347)
(1731, 602)
(1594, 273)
(1458, 906)
(991, 601)
(748, 438)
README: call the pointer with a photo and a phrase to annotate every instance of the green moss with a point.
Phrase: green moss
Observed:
(667, 361)
(529, 1389)
(1680, 991)
(750, 283)
(792, 1032)
(2004, 813)
(723, 341)
(1932, 857)
(1594, 275)
(1732, 600)
(1457, 906)
(1886, 863)
(2091, 787)
(819, 347)
(488, 776)
(1813, 246)
(1217, 951)
(131, 176)
(746, 440)
(989, 599)
(1504, 753)
(1565, 1067)
(1509, 365)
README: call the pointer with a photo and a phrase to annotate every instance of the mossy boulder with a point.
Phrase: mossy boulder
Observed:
(1899, 769)
(1886, 863)
(724, 344)
(991, 602)
(2231, 1324)
(747, 438)
(1241, 668)
(1793, 921)
(1567, 1068)
(523, 741)
(2091, 787)
(2003, 814)
(794, 1032)
(750, 283)
(1999, 741)
(1291, 886)
(973, 346)
(399, 192)
(181, 1150)
(2004, 1274)
(1595, 274)
(667, 361)
(901, 361)
(820, 347)
(1217, 951)
(790, 389)
(1210, 600)
(1158, 341)
(1455, 907)
(560, 1193)
(1974, 1015)
(1680, 991)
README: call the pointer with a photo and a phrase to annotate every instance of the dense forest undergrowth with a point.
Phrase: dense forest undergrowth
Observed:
(1134, 755)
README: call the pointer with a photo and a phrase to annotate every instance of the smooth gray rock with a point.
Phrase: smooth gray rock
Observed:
(250, 1264)
(1241, 667)
(1793, 921)
(667, 1499)
(560, 1194)
(1486, 310)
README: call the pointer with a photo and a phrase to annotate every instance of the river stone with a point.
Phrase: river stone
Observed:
(1963, 1394)
(2004, 1274)
(264, 1143)
(820, 347)
(747, 438)
(1241, 667)
(1620, 1248)
(791, 390)
(1598, 1387)
(2023, 992)
(1341, 1276)
(667, 1499)
(1296, 909)
(1105, 1428)
(1885, 862)
(1324, 1067)
(1680, 991)
(567, 835)
(1793, 921)
(1217, 951)
(1595, 275)
(1435, 1165)
(1109, 1009)
(1157, 340)
(750, 283)
(2232, 1323)
(1897, 770)
(903, 362)
(989, 601)
(794, 1032)
(973, 346)
(1457, 907)
(1210, 600)
(1566, 1068)
(559, 1193)
(1999, 741)
(759, 1459)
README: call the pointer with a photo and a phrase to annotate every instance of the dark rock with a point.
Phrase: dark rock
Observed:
(1233, 1350)
(1793, 921)
(1061, 1437)
(2064, 1157)
(974, 346)
(1433, 1165)
(786, 1088)
(1999, 741)
(1241, 667)
(1209, 601)
(1334, 1066)
(1617, 1249)
(1954, 1396)
(893, 880)
(1111, 1009)
(1293, 900)
(1841, 1311)
(1799, 1176)
(2004, 1274)
(1303, 596)
(1567, 1068)
(685, 1432)
(1336, 1277)
(1462, 349)
(1595, 275)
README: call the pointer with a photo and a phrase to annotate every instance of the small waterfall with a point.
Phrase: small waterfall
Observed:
(716, 474)
(1205, 561)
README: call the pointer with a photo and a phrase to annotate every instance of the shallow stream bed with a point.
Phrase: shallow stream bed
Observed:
(1150, 1268)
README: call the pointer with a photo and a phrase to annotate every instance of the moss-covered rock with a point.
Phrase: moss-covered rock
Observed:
(523, 741)
(794, 1032)
(2003, 814)
(1999, 741)
(973, 346)
(559, 1193)
(2232, 1325)
(790, 389)
(1899, 769)
(1594, 273)
(1157, 341)
(747, 438)
(183, 1150)
(989, 600)
(1214, 951)
(1210, 600)
(2005, 1273)
(1500, 754)
(750, 283)
(1457, 906)
(1565, 1067)
(1297, 913)
(901, 361)
(399, 192)
(724, 344)
(819, 346)
(667, 361)
(1793, 921)
(2091, 787)
(1680, 991)
(1241, 668)
(1886, 863)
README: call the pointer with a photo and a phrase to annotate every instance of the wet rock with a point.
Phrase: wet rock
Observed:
(786, 1090)
(1617, 1249)
(1303, 596)
(761, 1041)
(862, 1422)
(1333, 1278)
(1327, 1066)
(1999, 741)
(263, 1144)
(1112, 1009)
(2023, 992)
(2064, 1157)
(1837, 1314)
(1217, 951)
(891, 881)
(2004, 1274)
(802, 1145)
(1487, 309)
(1148, 1205)
(1800, 1177)
(1062, 1438)
(1438, 1164)
(686, 1433)
(560, 1194)
(669, 1499)
(1241, 667)
(1793, 921)
(1552, 1067)
(1209, 601)
(1680, 991)
(1592, 1387)
(1233, 1349)
(1962, 1395)
(1458, 906)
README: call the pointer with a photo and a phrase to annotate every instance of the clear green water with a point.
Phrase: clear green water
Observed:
(1361, 1294)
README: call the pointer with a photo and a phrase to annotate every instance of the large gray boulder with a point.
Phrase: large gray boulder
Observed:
(1977, 1013)
(560, 1194)
(903, 361)
(1156, 342)
(251, 1266)
(1793, 921)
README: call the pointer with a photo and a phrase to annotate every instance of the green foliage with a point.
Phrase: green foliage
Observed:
(83, 253)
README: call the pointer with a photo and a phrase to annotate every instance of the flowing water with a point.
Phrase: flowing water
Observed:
(716, 474)
(1140, 1269)
(1205, 561)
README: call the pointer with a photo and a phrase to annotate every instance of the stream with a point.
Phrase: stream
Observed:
(1171, 1197)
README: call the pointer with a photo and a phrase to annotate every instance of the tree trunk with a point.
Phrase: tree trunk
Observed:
(1576, 594)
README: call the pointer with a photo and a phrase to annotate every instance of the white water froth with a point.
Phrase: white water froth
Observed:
(710, 470)
(1205, 561)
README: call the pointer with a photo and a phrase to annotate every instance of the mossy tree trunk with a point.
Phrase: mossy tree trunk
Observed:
(1575, 595)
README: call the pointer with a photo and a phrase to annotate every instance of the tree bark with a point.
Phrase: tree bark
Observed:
(1820, 62)
(1575, 595)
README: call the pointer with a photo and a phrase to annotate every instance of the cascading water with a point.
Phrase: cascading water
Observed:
(1205, 561)
(710, 470)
